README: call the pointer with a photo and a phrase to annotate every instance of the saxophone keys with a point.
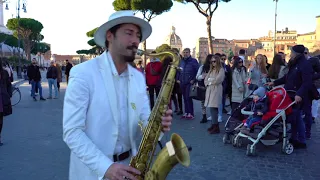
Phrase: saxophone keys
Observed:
(140, 167)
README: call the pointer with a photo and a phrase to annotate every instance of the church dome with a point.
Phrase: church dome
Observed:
(173, 38)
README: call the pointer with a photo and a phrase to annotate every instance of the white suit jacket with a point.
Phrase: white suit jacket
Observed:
(90, 116)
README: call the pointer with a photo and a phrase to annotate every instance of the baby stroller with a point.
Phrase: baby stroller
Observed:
(280, 105)
(234, 122)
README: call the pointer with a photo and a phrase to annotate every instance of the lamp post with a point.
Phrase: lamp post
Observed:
(275, 27)
(24, 8)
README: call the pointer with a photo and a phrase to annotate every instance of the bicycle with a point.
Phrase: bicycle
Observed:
(16, 96)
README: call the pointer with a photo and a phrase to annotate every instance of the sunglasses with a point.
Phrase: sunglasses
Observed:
(305, 52)
(240, 61)
(213, 61)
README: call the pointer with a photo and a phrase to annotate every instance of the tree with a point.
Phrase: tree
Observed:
(149, 9)
(28, 30)
(95, 50)
(41, 47)
(9, 40)
(212, 6)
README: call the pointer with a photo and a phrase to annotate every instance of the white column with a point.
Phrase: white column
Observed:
(1, 13)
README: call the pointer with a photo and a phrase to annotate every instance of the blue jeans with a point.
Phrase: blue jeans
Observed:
(298, 129)
(188, 103)
(33, 86)
(54, 83)
(222, 105)
(252, 120)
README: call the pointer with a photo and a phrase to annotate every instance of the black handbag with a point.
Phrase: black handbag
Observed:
(197, 92)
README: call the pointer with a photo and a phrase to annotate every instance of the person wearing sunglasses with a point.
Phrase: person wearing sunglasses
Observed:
(214, 91)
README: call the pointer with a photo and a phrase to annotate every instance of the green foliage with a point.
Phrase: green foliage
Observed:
(14, 60)
(200, 1)
(154, 6)
(95, 50)
(230, 55)
(91, 33)
(148, 8)
(91, 42)
(9, 40)
(40, 47)
(28, 30)
(83, 51)
(25, 24)
(122, 5)
(163, 47)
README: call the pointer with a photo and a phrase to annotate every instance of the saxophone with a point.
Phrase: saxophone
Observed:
(175, 150)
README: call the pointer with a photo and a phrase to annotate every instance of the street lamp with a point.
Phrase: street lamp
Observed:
(24, 7)
(275, 26)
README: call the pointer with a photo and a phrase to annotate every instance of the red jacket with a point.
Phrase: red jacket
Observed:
(153, 72)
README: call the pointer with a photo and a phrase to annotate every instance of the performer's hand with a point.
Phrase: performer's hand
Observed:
(166, 120)
(269, 84)
(119, 171)
(297, 99)
(260, 113)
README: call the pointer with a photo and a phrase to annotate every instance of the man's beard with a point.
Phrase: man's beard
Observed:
(131, 58)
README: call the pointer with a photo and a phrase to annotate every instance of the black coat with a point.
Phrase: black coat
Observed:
(34, 73)
(68, 68)
(52, 72)
(6, 93)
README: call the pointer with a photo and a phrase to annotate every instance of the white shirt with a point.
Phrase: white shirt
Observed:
(121, 89)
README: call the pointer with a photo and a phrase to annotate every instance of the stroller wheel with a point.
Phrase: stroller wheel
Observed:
(226, 139)
(239, 142)
(234, 141)
(288, 149)
(251, 152)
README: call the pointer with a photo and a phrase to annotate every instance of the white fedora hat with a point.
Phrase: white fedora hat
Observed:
(122, 17)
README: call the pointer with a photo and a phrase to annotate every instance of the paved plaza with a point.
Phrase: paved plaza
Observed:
(34, 150)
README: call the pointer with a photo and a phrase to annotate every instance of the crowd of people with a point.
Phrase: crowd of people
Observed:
(53, 75)
(223, 80)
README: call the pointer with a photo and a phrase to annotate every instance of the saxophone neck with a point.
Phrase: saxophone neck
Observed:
(174, 55)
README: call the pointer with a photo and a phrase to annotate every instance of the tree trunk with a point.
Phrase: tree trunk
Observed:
(144, 60)
(209, 34)
(27, 49)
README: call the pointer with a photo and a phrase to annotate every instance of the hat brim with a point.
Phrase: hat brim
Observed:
(100, 34)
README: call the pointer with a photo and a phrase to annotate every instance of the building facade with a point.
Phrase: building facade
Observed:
(222, 46)
(173, 40)
(312, 39)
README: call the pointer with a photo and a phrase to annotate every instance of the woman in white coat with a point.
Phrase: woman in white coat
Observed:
(239, 79)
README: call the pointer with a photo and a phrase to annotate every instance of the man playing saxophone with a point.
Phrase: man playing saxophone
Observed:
(105, 102)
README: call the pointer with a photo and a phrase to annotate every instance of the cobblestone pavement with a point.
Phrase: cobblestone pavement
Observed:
(33, 149)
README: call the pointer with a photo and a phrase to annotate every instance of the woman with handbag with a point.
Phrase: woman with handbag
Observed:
(214, 90)
(5, 95)
(201, 74)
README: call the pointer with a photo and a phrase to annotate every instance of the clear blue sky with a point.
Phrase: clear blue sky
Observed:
(67, 21)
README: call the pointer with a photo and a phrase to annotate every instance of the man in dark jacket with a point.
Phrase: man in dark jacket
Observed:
(227, 83)
(186, 78)
(299, 80)
(52, 75)
(68, 69)
(34, 76)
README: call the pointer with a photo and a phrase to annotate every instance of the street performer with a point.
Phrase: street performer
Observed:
(106, 101)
